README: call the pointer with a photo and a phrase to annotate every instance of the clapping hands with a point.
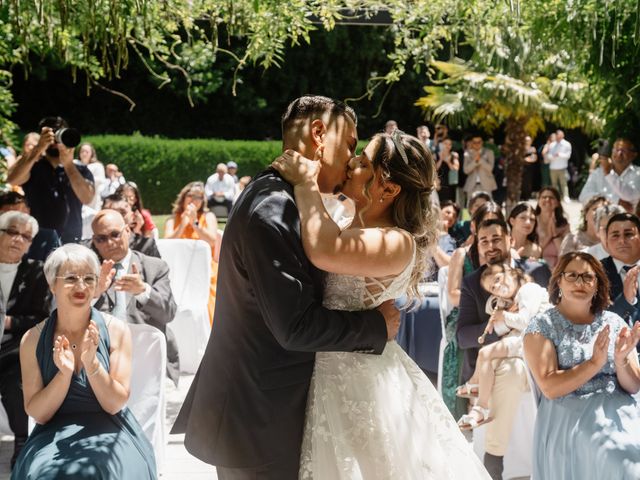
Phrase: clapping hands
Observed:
(190, 215)
(601, 348)
(630, 284)
(89, 345)
(297, 169)
(625, 343)
(63, 355)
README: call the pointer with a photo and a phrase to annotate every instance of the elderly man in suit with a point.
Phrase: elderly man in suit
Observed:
(26, 300)
(245, 409)
(511, 380)
(623, 243)
(133, 287)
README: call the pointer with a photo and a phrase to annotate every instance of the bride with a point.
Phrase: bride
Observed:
(375, 417)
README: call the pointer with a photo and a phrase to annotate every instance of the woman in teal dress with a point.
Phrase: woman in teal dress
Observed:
(583, 360)
(463, 261)
(76, 368)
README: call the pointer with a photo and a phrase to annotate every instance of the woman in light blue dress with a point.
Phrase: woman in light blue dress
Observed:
(583, 360)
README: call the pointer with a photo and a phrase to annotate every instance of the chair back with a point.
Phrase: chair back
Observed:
(190, 276)
(147, 399)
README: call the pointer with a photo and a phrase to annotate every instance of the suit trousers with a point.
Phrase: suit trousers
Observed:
(559, 180)
(510, 383)
(286, 470)
(11, 391)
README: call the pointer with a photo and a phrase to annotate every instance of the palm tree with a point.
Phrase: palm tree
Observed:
(511, 84)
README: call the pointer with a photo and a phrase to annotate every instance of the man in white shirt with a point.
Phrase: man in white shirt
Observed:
(220, 188)
(617, 179)
(558, 159)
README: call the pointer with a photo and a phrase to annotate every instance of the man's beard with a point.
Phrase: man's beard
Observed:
(494, 260)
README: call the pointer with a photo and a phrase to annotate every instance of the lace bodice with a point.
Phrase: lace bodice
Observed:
(346, 292)
(574, 345)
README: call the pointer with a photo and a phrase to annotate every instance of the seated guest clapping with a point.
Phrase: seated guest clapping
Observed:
(623, 242)
(133, 287)
(602, 216)
(76, 368)
(193, 220)
(26, 301)
(587, 234)
(137, 241)
(583, 359)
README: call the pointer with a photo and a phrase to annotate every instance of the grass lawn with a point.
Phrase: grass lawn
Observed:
(160, 220)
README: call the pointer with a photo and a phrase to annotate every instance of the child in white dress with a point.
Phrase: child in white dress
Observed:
(515, 299)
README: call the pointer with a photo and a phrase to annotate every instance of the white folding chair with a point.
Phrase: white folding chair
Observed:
(445, 309)
(147, 399)
(4, 422)
(190, 275)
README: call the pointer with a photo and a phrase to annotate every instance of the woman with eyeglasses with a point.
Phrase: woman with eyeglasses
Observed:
(583, 360)
(193, 220)
(76, 369)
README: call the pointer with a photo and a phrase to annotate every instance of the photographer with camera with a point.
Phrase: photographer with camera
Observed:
(55, 185)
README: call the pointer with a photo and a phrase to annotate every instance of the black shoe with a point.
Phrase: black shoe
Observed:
(494, 465)
(18, 443)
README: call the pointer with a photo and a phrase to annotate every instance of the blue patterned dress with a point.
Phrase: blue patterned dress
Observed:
(82, 441)
(594, 432)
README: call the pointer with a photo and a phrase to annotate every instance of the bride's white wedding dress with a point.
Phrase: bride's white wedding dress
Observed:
(375, 417)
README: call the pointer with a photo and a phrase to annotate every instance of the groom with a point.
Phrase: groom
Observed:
(245, 410)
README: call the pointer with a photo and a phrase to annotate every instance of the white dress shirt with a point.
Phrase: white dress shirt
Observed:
(559, 155)
(226, 185)
(625, 186)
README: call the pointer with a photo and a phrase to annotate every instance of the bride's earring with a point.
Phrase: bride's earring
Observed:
(559, 293)
(381, 200)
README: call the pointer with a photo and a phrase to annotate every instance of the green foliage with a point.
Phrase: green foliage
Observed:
(161, 167)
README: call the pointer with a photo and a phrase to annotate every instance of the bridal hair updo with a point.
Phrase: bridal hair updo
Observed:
(413, 169)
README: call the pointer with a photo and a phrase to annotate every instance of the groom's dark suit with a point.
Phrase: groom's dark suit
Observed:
(246, 406)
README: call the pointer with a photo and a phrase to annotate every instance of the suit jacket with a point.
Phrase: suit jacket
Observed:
(629, 313)
(473, 317)
(484, 171)
(29, 303)
(246, 405)
(157, 311)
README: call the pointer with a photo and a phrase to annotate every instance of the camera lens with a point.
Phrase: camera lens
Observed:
(69, 137)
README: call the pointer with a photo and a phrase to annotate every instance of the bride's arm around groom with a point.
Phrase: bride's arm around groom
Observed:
(245, 409)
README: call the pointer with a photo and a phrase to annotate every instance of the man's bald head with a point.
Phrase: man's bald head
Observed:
(110, 235)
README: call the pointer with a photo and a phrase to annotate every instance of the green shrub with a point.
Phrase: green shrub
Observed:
(161, 167)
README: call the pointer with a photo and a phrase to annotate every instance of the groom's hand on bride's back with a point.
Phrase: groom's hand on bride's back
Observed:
(391, 317)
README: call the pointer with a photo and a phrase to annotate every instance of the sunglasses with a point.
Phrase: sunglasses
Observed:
(115, 235)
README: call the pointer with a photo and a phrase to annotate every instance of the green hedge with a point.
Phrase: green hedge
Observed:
(161, 167)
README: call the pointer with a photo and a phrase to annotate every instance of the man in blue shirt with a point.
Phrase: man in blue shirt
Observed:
(55, 185)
